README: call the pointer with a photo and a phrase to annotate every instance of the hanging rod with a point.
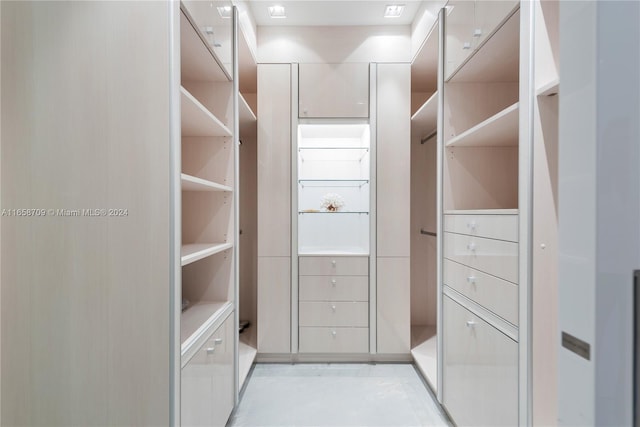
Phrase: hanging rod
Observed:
(427, 233)
(428, 137)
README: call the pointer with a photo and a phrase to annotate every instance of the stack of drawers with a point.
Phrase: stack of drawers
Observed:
(480, 277)
(333, 304)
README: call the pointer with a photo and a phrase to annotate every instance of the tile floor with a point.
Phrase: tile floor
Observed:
(355, 395)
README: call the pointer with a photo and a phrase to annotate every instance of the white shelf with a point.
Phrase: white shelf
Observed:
(197, 120)
(196, 251)
(425, 121)
(198, 322)
(497, 60)
(497, 131)
(550, 88)
(247, 116)
(198, 62)
(425, 353)
(481, 212)
(192, 183)
(246, 357)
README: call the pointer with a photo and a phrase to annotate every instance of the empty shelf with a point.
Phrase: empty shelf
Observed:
(550, 88)
(246, 357)
(197, 120)
(246, 114)
(425, 352)
(498, 130)
(192, 183)
(425, 121)
(481, 212)
(196, 251)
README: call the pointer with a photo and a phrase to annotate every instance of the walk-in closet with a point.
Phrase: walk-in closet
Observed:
(329, 213)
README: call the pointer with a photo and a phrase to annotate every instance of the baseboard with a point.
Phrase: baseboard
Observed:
(332, 358)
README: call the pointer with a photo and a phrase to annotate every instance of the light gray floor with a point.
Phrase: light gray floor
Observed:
(356, 395)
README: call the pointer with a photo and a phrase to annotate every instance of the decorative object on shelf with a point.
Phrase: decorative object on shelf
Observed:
(332, 202)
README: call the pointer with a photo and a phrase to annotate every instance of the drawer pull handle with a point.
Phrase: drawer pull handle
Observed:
(333, 262)
(333, 308)
(471, 323)
(334, 333)
(333, 282)
(466, 45)
(471, 247)
(218, 341)
(211, 350)
(472, 225)
(471, 279)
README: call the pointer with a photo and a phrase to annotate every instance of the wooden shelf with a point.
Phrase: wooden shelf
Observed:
(425, 353)
(497, 60)
(192, 183)
(425, 121)
(424, 67)
(497, 131)
(549, 89)
(247, 115)
(196, 251)
(198, 62)
(198, 322)
(481, 212)
(246, 357)
(197, 120)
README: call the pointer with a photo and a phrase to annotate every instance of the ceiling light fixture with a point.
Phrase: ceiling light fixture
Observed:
(277, 12)
(393, 10)
(224, 11)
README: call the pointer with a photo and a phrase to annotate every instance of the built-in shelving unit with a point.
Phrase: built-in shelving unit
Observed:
(498, 130)
(197, 322)
(197, 120)
(192, 183)
(424, 126)
(194, 252)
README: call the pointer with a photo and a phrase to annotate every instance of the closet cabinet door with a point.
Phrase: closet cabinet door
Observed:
(334, 90)
(207, 381)
(480, 374)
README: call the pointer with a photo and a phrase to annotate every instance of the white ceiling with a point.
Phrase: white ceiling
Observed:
(333, 12)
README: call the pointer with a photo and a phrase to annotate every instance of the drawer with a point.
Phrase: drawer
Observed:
(354, 314)
(480, 372)
(495, 257)
(334, 340)
(502, 227)
(495, 294)
(334, 288)
(333, 266)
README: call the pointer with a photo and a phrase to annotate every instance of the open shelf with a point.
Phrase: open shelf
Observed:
(549, 89)
(310, 212)
(247, 115)
(332, 182)
(425, 352)
(425, 121)
(198, 62)
(196, 251)
(481, 212)
(246, 357)
(497, 60)
(497, 131)
(192, 183)
(197, 322)
(197, 120)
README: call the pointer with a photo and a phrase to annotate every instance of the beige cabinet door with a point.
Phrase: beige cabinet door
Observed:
(334, 90)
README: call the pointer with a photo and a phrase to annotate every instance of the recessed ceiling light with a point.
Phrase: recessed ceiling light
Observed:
(393, 10)
(277, 12)
(224, 11)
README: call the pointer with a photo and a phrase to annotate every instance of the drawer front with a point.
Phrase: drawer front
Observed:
(502, 227)
(495, 257)
(334, 288)
(353, 314)
(480, 372)
(495, 294)
(333, 266)
(334, 340)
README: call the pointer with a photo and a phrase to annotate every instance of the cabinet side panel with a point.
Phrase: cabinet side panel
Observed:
(393, 159)
(274, 305)
(274, 160)
(87, 297)
(394, 316)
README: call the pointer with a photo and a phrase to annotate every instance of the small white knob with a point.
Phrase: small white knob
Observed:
(218, 341)
(211, 350)
(333, 307)
(470, 323)
(543, 246)
(333, 262)
(472, 225)
(471, 279)
(477, 32)
(333, 282)
(466, 45)
(334, 333)
(471, 247)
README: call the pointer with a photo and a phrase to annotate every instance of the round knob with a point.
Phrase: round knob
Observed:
(333, 282)
(333, 262)
(471, 323)
(471, 279)
(334, 333)
(472, 225)
(333, 307)
(471, 247)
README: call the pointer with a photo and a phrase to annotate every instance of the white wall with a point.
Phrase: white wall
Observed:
(334, 44)
(599, 193)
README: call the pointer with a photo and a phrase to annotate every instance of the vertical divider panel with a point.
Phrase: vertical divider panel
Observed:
(373, 222)
(236, 203)
(294, 206)
(439, 197)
